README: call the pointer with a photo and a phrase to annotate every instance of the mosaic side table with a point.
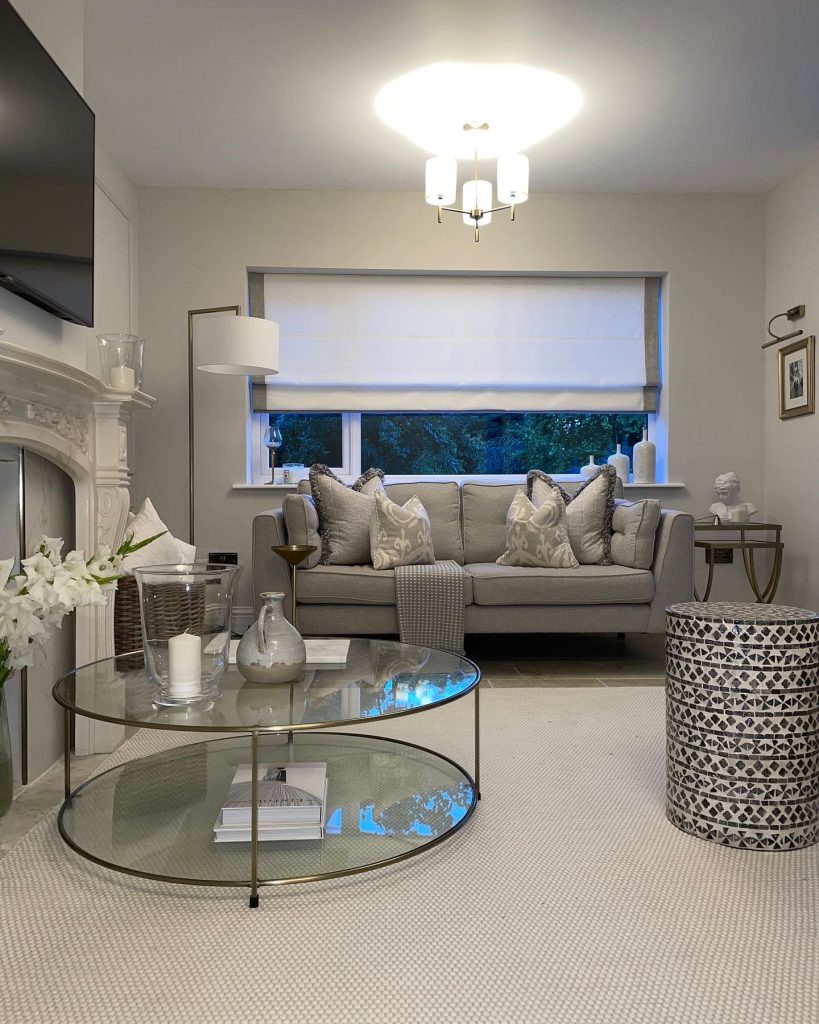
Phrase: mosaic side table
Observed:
(742, 714)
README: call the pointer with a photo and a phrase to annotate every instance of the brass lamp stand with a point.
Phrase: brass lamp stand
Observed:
(293, 554)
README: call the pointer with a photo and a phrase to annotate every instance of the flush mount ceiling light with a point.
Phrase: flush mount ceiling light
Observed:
(477, 111)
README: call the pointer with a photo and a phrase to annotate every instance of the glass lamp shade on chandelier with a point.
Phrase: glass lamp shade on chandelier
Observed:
(477, 112)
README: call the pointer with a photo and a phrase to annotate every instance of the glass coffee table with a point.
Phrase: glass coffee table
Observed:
(387, 799)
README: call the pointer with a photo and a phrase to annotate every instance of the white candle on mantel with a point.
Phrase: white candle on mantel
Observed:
(184, 665)
(122, 378)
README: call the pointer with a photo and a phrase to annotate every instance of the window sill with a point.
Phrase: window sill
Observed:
(673, 486)
(560, 478)
(263, 487)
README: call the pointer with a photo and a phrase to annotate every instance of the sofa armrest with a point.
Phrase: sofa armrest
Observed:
(270, 573)
(673, 565)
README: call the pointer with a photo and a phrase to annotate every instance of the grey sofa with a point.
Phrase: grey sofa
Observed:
(469, 524)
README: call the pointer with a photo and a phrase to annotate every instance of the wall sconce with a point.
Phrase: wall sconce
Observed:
(794, 313)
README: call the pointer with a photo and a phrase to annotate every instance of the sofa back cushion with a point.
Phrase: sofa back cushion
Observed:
(442, 502)
(485, 510)
(484, 516)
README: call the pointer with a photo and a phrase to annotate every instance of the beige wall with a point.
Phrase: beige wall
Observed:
(792, 446)
(196, 245)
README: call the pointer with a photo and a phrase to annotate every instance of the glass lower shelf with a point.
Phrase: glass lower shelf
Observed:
(154, 816)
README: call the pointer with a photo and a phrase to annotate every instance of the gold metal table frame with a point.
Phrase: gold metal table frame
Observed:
(254, 882)
(763, 594)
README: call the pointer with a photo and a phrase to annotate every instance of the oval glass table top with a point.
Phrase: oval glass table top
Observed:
(386, 800)
(380, 679)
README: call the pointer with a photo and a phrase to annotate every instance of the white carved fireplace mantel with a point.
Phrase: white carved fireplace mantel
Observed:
(71, 418)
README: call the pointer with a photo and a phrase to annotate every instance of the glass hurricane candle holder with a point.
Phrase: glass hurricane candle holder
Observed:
(121, 361)
(186, 618)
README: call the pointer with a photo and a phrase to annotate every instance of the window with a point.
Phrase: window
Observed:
(493, 443)
(451, 443)
(309, 437)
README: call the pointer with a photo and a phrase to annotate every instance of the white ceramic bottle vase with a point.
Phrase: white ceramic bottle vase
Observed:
(620, 463)
(590, 470)
(645, 461)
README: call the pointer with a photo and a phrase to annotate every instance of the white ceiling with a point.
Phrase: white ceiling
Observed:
(680, 95)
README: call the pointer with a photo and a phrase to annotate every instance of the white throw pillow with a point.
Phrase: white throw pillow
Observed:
(588, 512)
(400, 534)
(164, 550)
(538, 537)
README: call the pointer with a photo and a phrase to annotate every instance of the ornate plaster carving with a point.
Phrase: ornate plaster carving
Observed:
(68, 425)
(5, 407)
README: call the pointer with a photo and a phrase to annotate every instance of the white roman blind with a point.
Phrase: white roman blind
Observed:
(359, 342)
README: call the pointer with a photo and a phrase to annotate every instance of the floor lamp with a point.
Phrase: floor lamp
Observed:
(240, 345)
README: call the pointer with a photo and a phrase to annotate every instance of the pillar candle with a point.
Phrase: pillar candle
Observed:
(122, 378)
(184, 665)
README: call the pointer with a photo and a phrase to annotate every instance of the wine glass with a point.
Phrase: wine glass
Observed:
(272, 441)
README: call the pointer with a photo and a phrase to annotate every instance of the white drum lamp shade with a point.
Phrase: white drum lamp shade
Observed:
(441, 184)
(246, 345)
(477, 196)
(513, 179)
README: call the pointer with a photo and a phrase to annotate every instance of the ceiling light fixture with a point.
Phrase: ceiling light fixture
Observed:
(477, 112)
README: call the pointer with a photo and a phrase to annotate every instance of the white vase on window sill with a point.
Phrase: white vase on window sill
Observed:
(645, 461)
(589, 470)
(621, 464)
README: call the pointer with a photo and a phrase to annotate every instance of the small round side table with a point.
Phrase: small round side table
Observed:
(294, 555)
(742, 689)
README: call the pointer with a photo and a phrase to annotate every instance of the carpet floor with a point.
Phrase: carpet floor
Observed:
(567, 898)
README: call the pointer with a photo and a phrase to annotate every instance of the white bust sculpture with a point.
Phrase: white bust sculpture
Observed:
(729, 508)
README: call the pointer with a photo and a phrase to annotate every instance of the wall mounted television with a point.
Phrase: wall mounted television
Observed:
(46, 178)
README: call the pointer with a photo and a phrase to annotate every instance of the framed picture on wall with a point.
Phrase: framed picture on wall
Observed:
(796, 384)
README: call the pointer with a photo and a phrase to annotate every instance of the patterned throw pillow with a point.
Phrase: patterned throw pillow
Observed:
(400, 534)
(588, 512)
(344, 514)
(538, 537)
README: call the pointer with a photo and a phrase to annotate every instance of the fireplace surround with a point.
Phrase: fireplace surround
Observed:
(71, 418)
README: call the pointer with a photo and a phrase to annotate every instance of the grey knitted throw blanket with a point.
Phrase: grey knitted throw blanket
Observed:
(430, 604)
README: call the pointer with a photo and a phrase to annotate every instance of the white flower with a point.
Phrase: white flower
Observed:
(51, 548)
(6, 566)
(38, 567)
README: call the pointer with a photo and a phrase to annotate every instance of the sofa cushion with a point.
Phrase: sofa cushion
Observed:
(354, 584)
(634, 527)
(485, 510)
(301, 520)
(588, 512)
(344, 514)
(589, 584)
(400, 534)
(538, 537)
(443, 504)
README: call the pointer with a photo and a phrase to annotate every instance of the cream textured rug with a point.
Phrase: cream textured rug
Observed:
(568, 898)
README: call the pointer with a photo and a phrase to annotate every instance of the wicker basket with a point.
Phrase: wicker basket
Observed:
(127, 622)
(184, 608)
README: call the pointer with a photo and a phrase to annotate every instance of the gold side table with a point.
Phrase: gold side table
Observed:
(763, 595)
(293, 554)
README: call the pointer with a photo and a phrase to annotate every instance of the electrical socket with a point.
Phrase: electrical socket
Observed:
(223, 557)
(721, 556)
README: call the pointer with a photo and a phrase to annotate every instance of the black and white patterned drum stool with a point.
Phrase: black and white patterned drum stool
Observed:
(742, 714)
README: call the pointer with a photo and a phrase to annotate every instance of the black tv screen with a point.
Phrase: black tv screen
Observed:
(46, 178)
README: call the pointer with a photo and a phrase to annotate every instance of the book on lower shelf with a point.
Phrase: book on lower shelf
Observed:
(292, 800)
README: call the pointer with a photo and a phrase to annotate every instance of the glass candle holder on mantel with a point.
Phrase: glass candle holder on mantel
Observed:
(186, 618)
(121, 361)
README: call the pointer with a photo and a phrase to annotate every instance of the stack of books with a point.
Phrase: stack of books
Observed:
(292, 803)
